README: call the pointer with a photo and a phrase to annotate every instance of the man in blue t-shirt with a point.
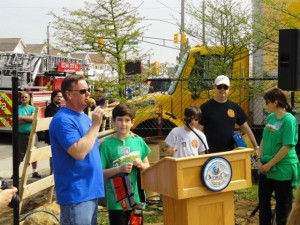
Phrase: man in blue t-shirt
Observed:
(76, 160)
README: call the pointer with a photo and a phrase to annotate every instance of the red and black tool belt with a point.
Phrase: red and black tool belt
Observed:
(124, 194)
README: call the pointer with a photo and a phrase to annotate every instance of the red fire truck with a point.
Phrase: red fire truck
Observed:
(37, 74)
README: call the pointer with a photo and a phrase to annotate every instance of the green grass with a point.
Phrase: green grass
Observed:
(250, 194)
(103, 216)
(152, 215)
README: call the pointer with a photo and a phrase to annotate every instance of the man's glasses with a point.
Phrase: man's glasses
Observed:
(82, 91)
(57, 96)
(98, 91)
(222, 86)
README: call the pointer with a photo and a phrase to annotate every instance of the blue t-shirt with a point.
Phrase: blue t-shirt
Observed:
(28, 110)
(75, 180)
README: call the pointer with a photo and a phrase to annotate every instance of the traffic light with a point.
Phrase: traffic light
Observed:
(101, 41)
(183, 38)
(175, 40)
(155, 68)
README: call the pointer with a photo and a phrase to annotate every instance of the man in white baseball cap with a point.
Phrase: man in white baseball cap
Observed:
(219, 116)
(222, 79)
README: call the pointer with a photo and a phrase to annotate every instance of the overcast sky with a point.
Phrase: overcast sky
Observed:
(29, 19)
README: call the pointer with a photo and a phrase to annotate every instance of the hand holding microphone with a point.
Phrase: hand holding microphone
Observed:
(97, 111)
(91, 103)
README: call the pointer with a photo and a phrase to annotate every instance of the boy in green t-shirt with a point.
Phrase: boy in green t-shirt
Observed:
(122, 156)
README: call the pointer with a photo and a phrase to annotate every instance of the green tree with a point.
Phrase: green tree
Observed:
(224, 24)
(235, 24)
(104, 26)
(271, 16)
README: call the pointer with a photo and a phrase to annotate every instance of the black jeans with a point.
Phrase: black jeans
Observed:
(119, 217)
(283, 197)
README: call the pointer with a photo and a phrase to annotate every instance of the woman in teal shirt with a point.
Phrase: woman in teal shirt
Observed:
(278, 161)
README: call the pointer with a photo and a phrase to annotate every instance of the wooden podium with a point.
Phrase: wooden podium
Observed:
(186, 201)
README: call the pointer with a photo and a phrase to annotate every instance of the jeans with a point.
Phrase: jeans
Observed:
(84, 213)
(283, 197)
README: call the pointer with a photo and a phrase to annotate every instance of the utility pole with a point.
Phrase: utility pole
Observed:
(48, 47)
(181, 30)
(48, 39)
(203, 22)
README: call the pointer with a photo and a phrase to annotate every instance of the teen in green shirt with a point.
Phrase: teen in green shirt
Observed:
(278, 161)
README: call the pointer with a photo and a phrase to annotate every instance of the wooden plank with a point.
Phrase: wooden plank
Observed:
(106, 133)
(38, 186)
(41, 153)
(43, 124)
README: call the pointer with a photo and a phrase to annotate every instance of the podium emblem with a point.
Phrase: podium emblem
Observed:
(216, 173)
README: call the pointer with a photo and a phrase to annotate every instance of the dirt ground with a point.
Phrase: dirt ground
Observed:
(243, 210)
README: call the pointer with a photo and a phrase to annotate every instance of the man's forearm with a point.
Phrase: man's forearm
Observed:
(81, 148)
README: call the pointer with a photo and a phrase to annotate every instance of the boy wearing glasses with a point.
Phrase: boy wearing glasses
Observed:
(186, 140)
(219, 116)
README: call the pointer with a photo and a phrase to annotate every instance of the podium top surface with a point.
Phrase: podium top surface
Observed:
(180, 177)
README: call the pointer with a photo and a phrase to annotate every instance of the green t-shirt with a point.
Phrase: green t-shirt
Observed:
(25, 111)
(277, 133)
(115, 152)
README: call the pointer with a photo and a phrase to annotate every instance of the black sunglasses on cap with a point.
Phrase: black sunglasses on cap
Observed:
(82, 91)
(222, 86)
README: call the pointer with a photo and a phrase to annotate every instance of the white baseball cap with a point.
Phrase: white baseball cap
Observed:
(222, 79)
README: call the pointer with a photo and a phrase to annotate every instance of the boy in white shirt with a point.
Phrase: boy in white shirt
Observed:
(186, 140)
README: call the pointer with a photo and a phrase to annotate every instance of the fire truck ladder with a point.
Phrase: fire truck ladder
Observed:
(22, 65)
(33, 63)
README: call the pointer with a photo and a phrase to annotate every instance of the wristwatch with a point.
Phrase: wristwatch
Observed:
(256, 147)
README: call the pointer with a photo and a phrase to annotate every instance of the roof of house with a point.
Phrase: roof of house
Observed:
(84, 56)
(10, 44)
(79, 55)
(35, 48)
(57, 52)
(97, 58)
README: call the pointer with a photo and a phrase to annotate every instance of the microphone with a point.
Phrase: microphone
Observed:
(171, 115)
(187, 121)
(91, 103)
